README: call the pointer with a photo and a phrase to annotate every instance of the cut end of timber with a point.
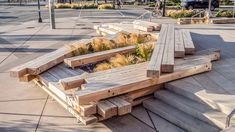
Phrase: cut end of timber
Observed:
(153, 73)
(70, 85)
(179, 54)
(167, 68)
(190, 51)
(18, 73)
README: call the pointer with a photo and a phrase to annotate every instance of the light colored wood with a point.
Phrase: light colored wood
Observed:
(187, 68)
(142, 27)
(140, 100)
(70, 83)
(144, 91)
(167, 64)
(97, 56)
(27, 78)
(73, 82)
(179, 44)
(106, 109)
(51, 83)
(87, 110)
(84, 120)
(154, 67)
(188, 42)
(123, 106)
(156, 26)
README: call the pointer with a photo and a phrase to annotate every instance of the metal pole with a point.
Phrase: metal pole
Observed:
(164, 8)
(209, 8)
(39, 13)
(51, 13)
(233, 8)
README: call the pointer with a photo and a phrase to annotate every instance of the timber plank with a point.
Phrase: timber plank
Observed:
(84, 120)
(123, 107)
(188, 42)
(97, 56)
(106, 109)
(167, 64)
(179, 44)
(154, 67)
(189, 68)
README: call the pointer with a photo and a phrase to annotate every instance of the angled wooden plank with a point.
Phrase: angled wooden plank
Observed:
(77, 81)
(167, 64)
(179, 44)
(154, 67)
(97, 56)
(186, 69)
(106, 109)
(188, 42)
(123, 106)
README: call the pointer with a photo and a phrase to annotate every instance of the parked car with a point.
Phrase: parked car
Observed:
(192, 4)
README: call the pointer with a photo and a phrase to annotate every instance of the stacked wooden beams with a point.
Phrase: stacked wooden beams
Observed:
(44, 62)
(146, 26)
(127, 79)
(104, 94)
(188, 42)
(171, 44)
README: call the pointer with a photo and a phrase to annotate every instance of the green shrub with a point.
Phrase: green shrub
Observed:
(180, 13)
(223, 13)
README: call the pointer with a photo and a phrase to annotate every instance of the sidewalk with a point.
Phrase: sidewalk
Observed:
(25, 107)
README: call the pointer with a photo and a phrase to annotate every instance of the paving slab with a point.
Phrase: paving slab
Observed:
(56, 118)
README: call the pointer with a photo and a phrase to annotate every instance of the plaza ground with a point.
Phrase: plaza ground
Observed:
(26, 107)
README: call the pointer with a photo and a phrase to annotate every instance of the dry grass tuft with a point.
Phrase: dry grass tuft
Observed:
(103, 66)
(145, 51)
(122, 60)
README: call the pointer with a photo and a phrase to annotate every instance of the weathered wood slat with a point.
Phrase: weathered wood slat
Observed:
(106, 109)
(97, 56)
(167, 64)
(142, 27)
(179, 44)
(123, 106)
(188, 42)
(156, 26)
(45, 62)
(154, 67)
(144, 92)
(189, 67)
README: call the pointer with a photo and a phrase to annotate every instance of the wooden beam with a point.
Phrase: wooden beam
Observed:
(97, 56)
(123, 106)
(84, 120)
(106, 109)
(45, 62)
(183, 69)
(27, 78)
(70, 83)
(154, 67)
(167, 64)
(156, 26)
(145, 91)
(179, 44)
(188, 42)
